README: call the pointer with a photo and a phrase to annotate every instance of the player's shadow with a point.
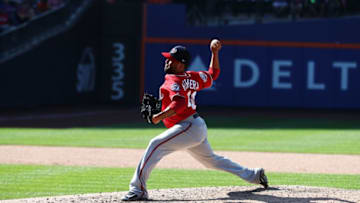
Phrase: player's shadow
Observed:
(257, 196)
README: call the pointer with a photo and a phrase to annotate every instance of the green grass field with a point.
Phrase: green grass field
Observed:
(242, 134)
(276, 135)
(20, 181)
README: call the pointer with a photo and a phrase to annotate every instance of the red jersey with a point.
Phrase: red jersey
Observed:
(186, 86)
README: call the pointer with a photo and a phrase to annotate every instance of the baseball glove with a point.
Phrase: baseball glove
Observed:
(150, 105)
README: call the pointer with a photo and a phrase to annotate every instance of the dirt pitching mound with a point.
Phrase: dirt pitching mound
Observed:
(221, 194)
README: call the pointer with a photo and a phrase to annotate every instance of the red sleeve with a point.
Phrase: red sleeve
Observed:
(176, 97)
(175, 89)
(204, 78)
(178, 104)
(214, 72)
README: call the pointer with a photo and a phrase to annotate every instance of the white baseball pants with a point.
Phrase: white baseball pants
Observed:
(191, 135)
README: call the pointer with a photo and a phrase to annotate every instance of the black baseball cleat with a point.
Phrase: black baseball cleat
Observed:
(131, 196)
(263, 179)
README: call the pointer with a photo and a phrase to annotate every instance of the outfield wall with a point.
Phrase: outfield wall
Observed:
(111, 55)
(83, 54)
(309, 64)
(57, 59)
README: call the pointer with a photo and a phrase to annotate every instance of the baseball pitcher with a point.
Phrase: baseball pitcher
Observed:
(186, 129)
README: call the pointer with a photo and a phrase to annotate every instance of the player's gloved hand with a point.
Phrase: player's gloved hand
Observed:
(150, 105)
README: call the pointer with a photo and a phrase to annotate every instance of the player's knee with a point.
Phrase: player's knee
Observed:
(211, 162)
(154, 142)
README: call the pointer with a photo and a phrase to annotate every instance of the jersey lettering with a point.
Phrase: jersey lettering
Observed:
(191, 100)
(185, 86)
(190, 84)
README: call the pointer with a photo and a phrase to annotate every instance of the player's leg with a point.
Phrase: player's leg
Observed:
(175, 138)
(204, 154)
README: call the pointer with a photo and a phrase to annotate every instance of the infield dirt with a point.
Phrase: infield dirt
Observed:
(275, 194)
(110, 157)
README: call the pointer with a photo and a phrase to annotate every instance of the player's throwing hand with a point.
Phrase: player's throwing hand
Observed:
(215, 45)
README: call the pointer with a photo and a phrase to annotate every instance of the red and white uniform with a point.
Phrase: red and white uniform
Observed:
(185, 86)
(186, 132)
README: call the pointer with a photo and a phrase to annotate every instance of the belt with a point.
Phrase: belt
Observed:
(195, 115)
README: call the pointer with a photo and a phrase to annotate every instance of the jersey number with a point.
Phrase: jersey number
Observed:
(191, 100)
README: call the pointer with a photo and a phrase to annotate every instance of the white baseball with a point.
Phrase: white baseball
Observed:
(215, 44)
